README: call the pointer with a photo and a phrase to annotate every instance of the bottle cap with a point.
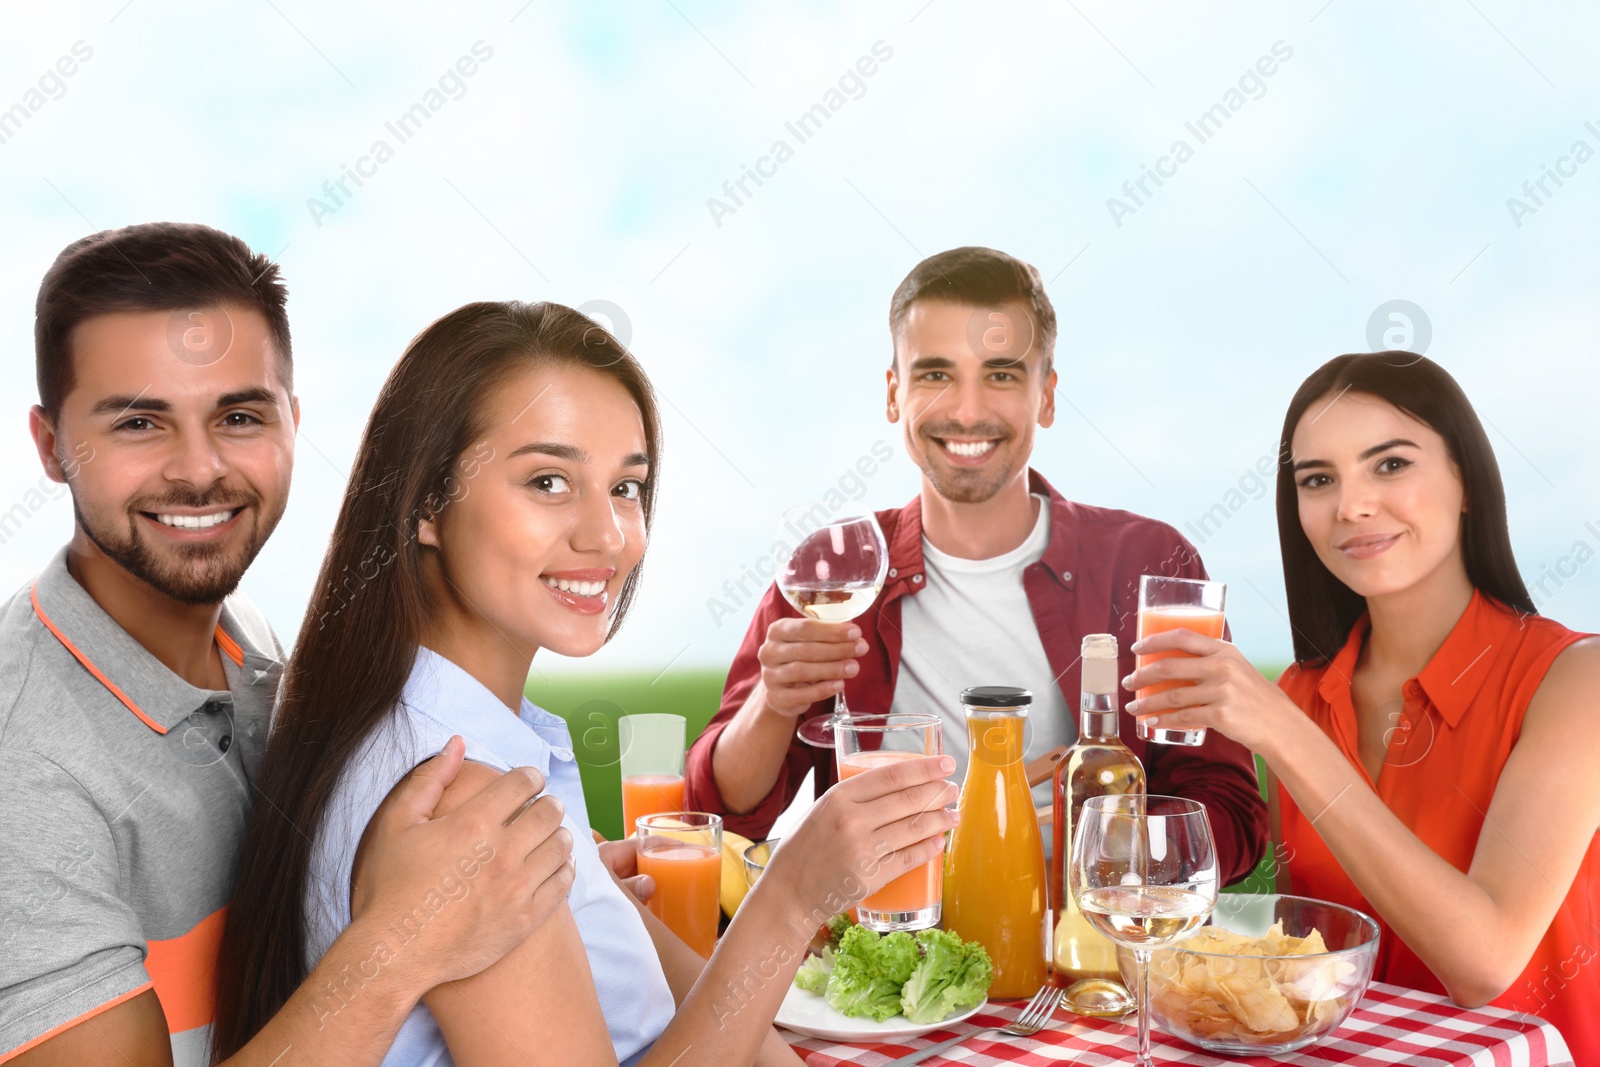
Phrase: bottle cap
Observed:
(996, 696)
(1099, 646)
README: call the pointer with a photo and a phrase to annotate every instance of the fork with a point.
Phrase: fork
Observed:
(1032, 1019)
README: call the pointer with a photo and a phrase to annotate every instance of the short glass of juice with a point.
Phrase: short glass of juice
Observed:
(911, 901)
(682, 851)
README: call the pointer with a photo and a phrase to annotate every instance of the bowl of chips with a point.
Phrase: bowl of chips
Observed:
(1269, 974)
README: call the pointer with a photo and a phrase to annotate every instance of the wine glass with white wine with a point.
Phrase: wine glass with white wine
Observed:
(831, 572)
(1144, 874)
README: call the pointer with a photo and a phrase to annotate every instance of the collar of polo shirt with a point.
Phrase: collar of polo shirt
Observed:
(144, 685)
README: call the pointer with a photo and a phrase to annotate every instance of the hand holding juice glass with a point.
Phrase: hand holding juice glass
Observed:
(1176, 604)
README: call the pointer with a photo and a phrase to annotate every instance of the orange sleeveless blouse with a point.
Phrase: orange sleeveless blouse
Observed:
(1451, 738)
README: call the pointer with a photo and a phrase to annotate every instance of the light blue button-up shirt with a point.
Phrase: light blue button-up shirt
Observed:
(441, 699)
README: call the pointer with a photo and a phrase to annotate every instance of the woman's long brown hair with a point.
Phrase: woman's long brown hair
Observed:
(365, 619)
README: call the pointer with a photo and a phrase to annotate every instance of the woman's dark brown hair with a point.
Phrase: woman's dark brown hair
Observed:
(365, 619)
(1322, 609)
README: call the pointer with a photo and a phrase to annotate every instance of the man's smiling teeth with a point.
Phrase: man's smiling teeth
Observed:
(968, 448)
(575, 588)
(197, 522)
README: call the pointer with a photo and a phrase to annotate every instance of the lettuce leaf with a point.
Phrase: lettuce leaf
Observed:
(814, 972)
(953, 975)
(869, 971)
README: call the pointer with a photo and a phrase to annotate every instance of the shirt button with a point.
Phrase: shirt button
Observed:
(223, 742)
(894, 572)
(1066, 576)
(916, 577)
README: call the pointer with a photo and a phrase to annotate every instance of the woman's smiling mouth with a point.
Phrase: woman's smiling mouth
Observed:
(1368, 545)
(584, 591)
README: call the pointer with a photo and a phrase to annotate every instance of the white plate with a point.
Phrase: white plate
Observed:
(811, 1015)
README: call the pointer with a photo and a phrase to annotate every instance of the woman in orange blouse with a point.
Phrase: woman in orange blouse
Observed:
(1439, 741)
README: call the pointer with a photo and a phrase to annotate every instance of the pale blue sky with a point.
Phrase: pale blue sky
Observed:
(1374, 164)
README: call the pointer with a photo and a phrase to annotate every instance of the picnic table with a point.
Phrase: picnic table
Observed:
(1391, 1025)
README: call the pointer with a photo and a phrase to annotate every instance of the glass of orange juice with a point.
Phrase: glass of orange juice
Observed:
(1177, 604)
(682, 851)
(913, 900)
(651, 764)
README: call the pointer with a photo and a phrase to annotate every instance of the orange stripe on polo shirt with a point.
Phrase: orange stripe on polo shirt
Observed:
(70, 1023)
(184, 968)
(90, 667)
(230, 647)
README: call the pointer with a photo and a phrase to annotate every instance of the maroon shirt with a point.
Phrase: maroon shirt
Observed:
(1087, 582)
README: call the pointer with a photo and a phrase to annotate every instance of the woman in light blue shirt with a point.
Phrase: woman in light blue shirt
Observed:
(499, 505)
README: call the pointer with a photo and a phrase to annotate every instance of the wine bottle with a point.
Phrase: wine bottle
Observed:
(1097, 764)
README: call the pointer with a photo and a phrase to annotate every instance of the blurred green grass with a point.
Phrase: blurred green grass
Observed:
(591, 704)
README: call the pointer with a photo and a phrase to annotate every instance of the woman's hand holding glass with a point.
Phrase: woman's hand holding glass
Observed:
(863, 833)
(621, 858)
(1225, 692)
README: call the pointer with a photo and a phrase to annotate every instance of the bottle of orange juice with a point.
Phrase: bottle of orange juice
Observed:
(994, 881)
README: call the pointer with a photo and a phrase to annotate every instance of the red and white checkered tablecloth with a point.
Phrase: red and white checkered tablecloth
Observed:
(1391, 1025)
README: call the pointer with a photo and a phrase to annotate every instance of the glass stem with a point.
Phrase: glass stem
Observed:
(840, 712)
(1141, 959)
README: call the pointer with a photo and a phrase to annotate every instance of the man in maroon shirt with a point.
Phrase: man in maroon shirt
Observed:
(986, 545)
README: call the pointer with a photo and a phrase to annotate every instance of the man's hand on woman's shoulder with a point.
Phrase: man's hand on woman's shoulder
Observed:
(464, 862)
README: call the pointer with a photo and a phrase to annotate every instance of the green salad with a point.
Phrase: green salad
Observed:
(927, 977)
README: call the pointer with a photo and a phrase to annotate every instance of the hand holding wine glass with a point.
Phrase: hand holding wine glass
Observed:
(804, 661)
(830, 573)
(1144, 874)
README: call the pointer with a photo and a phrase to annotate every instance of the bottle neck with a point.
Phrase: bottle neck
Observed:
(1097, 719)
(1097, 708)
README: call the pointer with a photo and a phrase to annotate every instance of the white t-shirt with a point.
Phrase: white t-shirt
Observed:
(971, 625)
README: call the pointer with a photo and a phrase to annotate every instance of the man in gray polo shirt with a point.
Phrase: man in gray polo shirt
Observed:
(136, 686)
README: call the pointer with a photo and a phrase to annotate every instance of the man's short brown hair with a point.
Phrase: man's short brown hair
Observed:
(978, 277)
(154, 266)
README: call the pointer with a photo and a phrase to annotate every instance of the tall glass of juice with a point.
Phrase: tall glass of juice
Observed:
(682, 851)
(1177, 604)
(911, 901)
(651, 763)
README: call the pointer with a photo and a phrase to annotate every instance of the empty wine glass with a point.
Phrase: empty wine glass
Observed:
(831, 568)
(1144, 873)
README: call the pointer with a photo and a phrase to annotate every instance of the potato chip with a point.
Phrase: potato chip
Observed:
(1257, 1004)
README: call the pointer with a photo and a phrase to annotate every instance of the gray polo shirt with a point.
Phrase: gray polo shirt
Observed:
(124, 793)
